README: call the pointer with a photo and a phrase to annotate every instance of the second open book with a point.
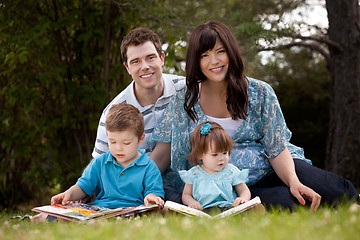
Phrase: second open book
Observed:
(173, 206)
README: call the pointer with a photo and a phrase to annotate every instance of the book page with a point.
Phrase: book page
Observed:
(241, 208)
(185, 209)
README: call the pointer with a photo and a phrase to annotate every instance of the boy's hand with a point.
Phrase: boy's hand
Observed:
(152, 198)
(74, 193)
(239, 201)
(86, 199)
(61, 198)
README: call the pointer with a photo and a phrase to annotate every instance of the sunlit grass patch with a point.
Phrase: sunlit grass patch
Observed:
(340, 223)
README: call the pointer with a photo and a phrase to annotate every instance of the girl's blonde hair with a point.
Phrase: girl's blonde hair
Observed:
(205, 137)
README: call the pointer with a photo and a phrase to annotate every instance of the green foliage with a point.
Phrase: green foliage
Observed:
(53, 87)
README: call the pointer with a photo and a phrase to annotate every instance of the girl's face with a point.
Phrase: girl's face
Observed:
(214, 63)
(213, 161)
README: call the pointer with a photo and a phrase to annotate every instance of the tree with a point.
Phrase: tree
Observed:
(340, 47)
(59, 66)
(51, 63)
(343, 147)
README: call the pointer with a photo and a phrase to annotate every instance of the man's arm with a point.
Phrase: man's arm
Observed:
(161, 155)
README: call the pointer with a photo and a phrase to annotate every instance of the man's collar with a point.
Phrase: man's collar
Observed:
(169, 88)
(131, 98)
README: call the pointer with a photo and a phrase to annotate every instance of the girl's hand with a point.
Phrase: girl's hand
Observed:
(152, 198)
(239, 201)
(244, 194)
(196, 205)
(188, 199)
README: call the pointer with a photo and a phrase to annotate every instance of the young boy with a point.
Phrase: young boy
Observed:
(124, 175)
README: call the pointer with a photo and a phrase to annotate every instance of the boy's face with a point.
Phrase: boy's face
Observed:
(145, 65)
(123, 145)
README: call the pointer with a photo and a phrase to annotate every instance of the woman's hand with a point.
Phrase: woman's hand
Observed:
(283, 165)
(300, 191)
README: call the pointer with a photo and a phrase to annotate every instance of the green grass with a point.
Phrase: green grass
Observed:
(342, 223)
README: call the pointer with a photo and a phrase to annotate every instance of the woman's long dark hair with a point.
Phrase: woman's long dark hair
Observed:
(202, 39)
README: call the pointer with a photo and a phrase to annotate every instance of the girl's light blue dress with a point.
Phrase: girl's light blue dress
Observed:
(214, 189)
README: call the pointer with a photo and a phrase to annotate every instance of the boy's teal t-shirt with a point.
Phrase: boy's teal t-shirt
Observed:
(119, 186)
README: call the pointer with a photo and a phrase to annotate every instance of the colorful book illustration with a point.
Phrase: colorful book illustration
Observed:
(173, 206)
(80, 212)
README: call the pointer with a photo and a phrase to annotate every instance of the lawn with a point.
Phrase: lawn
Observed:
(342, 223)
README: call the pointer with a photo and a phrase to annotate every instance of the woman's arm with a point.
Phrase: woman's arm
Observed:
(283, 164)
(188, 199)
(161, 155)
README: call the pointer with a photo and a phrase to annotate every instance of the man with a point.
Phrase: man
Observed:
(150, 91)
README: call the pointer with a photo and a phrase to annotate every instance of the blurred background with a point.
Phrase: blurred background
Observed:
(60, 66)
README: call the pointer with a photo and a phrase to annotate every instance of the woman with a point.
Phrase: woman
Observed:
(217, 90)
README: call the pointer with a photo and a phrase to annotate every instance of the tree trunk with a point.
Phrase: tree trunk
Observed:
(343, 147)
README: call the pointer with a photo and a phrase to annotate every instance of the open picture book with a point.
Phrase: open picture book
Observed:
(80, 212)
(173, 206)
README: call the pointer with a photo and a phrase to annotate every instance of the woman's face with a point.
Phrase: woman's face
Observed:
(214, 63)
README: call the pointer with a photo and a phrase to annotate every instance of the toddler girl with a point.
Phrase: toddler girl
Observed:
(213, 181)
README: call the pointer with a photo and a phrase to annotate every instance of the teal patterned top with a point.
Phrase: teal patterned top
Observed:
(262, 135)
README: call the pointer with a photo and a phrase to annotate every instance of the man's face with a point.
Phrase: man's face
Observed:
(145, 65)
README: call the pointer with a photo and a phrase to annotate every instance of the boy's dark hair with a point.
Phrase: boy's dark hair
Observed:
(123, 117)
(139, 36)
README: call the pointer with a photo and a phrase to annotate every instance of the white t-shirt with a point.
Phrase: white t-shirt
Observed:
(230, 125)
